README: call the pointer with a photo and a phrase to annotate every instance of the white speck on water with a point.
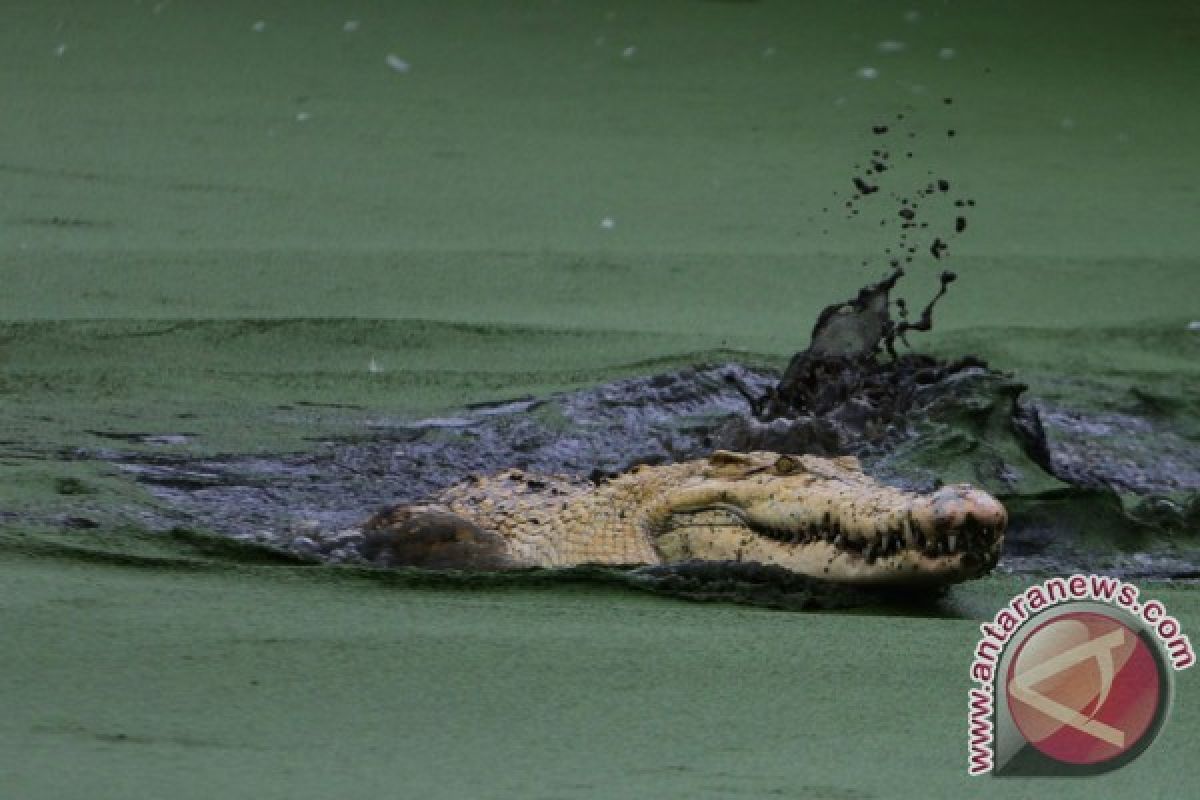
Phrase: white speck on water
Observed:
(60, 51)
(1066, 123)
(768, 52)
(947, 53)
(374, 367)
(397, 63)
(608, 223)
(303, 116)
(912, 15)
(350, 26)
(629, 52)
(891, 46)
(839, 101)
(868, 73)
(1194, 326)
(259, 26)
(1123, 137)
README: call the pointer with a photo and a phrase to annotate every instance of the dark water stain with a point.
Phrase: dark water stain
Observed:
(124, 738)
(65, 222)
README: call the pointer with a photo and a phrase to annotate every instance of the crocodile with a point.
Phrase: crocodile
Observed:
(819, 517)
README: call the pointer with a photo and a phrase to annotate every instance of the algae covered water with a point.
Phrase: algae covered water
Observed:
(230, 233)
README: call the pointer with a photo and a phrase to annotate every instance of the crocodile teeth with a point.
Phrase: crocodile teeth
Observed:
(839, 541)
(952, 542)
(869, 553)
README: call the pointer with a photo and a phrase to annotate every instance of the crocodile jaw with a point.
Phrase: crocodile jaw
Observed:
(820, 559)
(862, 534)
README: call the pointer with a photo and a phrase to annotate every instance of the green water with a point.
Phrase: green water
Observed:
(214, 230)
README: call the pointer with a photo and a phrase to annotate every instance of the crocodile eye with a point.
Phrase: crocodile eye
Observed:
(785, 465)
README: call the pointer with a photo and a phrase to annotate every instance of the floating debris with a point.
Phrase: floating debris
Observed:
(350, 26)
(868, 73)
(629, 52)
(865, 187)
(947, 53)
(259, 26)
(397, 64)
(608, 223)
(891, 46)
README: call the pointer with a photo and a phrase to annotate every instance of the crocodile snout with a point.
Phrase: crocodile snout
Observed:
(962, 508)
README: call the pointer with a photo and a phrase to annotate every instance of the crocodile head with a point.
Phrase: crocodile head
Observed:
(827, 519)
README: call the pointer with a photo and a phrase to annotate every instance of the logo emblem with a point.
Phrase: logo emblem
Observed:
(1083, 690)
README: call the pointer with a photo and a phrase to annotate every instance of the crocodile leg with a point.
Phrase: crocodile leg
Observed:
(431, 538)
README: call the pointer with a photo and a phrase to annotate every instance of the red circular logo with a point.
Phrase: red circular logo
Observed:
(1084, 688)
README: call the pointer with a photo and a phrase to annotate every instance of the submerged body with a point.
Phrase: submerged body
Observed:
(815, 516)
